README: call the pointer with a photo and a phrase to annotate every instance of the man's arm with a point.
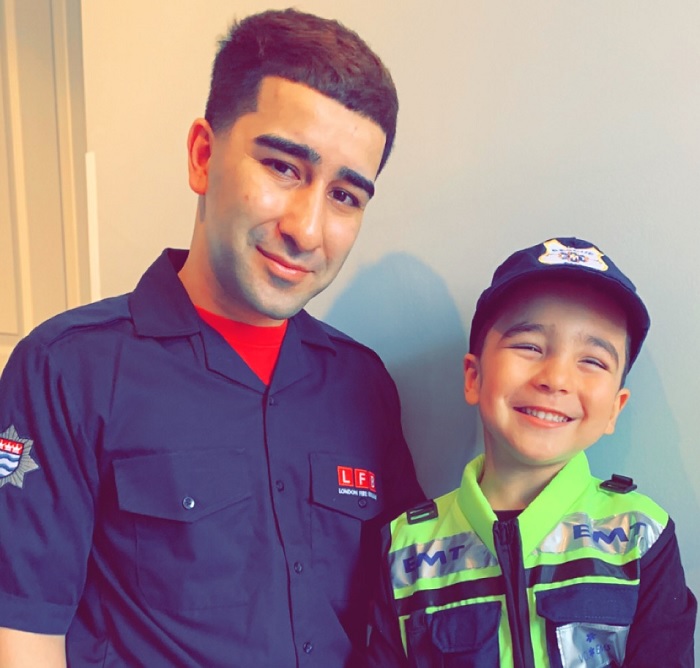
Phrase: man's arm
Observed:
(20, 649)
(46, 509)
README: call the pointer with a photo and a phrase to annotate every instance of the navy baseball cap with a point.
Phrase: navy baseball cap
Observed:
(565, 257)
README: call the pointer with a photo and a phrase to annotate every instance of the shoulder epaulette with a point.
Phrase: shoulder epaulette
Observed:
(619, 484)
(422, 512)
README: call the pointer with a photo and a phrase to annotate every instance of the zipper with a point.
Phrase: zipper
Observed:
(506, 538)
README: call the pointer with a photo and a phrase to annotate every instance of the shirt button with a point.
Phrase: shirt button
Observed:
(272, 401)
(298, 567)
(308, 647)
(188, 503)
(362, 502)
(280, 486)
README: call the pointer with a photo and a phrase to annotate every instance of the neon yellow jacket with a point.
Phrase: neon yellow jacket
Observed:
(559, 585)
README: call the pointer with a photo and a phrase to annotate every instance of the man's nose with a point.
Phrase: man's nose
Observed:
(302, 222)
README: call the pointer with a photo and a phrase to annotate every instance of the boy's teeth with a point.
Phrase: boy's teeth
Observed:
(544, 415)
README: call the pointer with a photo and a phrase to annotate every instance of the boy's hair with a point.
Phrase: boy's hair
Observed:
(570, 259)
(317, 52)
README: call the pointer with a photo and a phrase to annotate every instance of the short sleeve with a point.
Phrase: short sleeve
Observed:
(46, 497)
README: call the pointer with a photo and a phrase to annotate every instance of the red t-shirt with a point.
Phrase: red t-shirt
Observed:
(258, 346)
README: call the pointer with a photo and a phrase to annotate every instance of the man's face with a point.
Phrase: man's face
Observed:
(548, 379)
(283, 195)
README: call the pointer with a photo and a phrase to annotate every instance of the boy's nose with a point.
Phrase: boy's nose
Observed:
(554, 375)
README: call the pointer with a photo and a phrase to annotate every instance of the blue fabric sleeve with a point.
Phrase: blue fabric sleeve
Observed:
(664, 624)
(46, 518)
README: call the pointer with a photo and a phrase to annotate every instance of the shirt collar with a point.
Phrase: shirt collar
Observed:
(161, 307)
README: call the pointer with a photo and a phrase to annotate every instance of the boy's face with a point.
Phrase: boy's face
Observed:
(548, 379)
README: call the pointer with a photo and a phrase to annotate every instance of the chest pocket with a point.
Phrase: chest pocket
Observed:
(346, 495)
(461, 637)
(191, 516)
(587, 624)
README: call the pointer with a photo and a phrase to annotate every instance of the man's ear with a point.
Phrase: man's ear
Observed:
(199, 144)
(472, 379)
(620, 400)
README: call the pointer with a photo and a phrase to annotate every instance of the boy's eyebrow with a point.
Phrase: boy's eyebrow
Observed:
(605, 345)
(526, 327)
(523, 328)
(305, 152)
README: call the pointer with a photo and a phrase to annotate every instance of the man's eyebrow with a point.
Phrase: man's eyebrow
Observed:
(304, 152)
(278, 143)
(357, 180)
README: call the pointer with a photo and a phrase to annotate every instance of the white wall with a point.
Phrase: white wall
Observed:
(519, 121)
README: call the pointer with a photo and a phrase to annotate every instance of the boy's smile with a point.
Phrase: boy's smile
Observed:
(548, 379)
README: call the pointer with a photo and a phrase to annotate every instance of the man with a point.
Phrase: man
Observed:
(192, 474)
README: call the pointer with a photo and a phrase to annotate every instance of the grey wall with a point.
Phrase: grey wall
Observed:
(519, 121)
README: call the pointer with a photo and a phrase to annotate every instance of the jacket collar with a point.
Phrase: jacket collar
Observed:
(537, 520)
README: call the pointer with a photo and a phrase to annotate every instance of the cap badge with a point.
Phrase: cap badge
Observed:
(558, 253)
(15, 458)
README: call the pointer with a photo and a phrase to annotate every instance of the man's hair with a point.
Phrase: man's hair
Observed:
(319, 53)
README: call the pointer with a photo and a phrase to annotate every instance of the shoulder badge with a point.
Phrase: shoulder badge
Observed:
(422, 512)
(15, 457)
(620, 484)
(558, 253)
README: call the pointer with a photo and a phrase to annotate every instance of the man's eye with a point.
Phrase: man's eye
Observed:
(281, 167)
(344, 197)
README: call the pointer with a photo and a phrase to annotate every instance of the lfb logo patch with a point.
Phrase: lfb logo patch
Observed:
(357, 482)
(15, 458)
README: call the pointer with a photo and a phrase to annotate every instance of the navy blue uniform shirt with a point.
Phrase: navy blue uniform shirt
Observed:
(163, 507)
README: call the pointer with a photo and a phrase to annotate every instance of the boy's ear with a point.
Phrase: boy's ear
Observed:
(620, 400)
(472, 379)
(199, 144)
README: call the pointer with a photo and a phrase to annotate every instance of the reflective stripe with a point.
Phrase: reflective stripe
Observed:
(618, 534)
(581, 568)
(456, 593)
(461, 552)
(462, 592)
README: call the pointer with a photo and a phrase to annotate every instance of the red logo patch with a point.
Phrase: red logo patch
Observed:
(358, 479)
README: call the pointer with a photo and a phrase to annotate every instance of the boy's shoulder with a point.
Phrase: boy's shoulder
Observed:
(621, 494)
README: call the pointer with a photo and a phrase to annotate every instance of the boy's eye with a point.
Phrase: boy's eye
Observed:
(344, 197)
(594, 361)
(529, 347)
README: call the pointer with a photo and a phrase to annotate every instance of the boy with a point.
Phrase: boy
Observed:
(532, 561)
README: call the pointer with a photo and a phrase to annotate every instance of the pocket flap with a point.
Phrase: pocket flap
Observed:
(466, 628)
(346, 484)
(589, 603)
(182, 486)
